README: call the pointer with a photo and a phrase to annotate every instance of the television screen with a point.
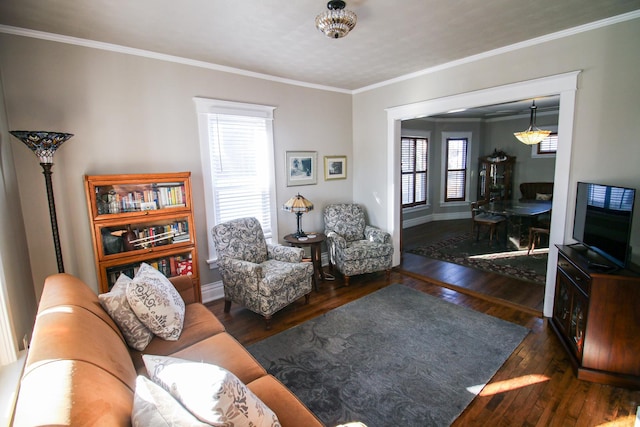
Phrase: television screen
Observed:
(603, 220)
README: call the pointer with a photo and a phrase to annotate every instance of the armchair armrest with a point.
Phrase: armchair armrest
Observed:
(285, 253)
(334, 238)
(374, 234)
(242, 268)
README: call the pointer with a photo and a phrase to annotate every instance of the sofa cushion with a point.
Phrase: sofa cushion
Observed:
(224, 351)
(199, 324)
(211, 393)
(115, 302)
(154, 406)
(156, 303)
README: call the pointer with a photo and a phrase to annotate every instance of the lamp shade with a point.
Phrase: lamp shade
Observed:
(44, 144)
(298, 204)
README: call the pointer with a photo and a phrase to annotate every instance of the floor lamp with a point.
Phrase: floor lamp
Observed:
(44, 145)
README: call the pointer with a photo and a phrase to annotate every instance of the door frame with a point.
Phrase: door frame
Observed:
(565, 85)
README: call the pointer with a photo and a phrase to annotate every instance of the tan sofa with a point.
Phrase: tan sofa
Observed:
(79, 370)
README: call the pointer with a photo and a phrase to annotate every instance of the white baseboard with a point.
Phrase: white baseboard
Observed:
(212, 291)
(435, 217)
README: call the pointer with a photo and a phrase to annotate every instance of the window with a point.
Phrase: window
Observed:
(456, 173)
(549, 145)
(414, 171)
(236, 149)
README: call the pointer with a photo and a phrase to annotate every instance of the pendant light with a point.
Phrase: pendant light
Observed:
(533, 135)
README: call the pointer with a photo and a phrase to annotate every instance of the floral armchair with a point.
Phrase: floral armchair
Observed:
(354, 247)
(262, 277)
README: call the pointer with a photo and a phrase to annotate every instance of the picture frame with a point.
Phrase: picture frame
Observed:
(301, 167)
(335, 167)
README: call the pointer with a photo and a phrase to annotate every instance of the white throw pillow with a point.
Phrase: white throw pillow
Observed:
(154, 406)
(211, 393)
(156, 303)
(115, 303)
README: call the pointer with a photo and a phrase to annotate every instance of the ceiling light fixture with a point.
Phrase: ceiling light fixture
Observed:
(337, 21)
(533, 134)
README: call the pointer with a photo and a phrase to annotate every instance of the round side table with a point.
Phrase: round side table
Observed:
(314, 241)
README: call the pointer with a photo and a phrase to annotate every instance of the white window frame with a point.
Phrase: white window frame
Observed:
(205, 107)
(443, 144)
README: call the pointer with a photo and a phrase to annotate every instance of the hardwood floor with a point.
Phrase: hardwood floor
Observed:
(515, 293)
(535, 387)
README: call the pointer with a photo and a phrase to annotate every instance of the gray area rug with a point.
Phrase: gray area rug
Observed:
(395, 357)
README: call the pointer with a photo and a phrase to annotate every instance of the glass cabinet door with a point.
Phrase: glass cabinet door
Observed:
(148, 234)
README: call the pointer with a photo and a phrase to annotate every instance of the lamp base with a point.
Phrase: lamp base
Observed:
(299, 233)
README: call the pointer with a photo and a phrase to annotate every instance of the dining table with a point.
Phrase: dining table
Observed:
(520, 216)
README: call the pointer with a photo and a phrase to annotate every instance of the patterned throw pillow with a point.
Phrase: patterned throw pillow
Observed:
(154, 406)
(211, 393)
(156, 303)
(115, 303)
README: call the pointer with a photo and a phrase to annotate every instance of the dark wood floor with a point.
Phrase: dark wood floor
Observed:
(520, 294)
(535, 386)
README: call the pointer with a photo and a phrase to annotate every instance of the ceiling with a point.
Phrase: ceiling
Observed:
(278, 38)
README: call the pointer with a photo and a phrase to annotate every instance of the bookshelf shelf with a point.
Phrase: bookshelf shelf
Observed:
(139, 218)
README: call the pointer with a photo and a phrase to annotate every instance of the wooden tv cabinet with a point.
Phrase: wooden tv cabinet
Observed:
(596, 315)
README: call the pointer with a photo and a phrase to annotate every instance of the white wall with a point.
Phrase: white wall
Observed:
(605, 126)
(15, 271)
(132, 114)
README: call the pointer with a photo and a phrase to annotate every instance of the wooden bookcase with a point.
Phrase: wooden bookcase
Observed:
(596, 317)
(139, 218)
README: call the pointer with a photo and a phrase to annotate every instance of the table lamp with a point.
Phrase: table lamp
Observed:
(44, 145)
(298, 205)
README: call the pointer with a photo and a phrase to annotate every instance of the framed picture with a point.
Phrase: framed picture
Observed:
(335, 167)
(301, 167)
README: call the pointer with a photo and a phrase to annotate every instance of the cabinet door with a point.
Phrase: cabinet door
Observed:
(176, 263)
(114, 196)
(578, 321)
(133, 236)
(562, 304)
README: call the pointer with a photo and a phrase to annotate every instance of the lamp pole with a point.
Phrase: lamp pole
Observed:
(44, 145)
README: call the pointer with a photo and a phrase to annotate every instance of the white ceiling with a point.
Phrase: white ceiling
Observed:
(278, 38)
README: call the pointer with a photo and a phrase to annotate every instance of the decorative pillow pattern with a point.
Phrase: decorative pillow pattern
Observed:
(156, 303)
(211, 393)
(115, 303)
(543, 196)
(154, 406)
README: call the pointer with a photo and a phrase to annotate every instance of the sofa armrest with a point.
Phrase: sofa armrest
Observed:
(285, 253)
(185, 287)
(374, 234)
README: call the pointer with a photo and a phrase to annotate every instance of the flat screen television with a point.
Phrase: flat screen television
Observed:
(603, 221)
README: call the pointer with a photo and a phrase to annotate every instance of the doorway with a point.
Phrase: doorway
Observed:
(564, 85)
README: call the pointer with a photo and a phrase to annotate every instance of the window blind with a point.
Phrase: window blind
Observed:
(456, 176)
(414, 153)
(240, 176)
